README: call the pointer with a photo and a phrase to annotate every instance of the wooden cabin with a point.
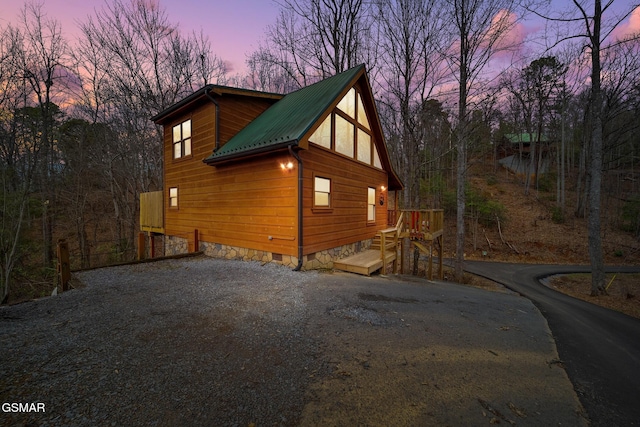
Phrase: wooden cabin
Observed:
(300, 179)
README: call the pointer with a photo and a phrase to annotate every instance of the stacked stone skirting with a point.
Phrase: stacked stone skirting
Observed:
(317, 261)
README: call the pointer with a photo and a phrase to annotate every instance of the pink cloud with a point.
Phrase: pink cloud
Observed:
(511, 41)
(630, 27)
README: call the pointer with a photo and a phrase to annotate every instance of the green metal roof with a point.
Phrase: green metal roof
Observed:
(288, 120)
(525, 137)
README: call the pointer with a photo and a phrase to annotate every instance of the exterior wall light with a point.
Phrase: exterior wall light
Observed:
(286, 166)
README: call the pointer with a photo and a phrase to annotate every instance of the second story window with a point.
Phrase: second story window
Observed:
(182, 140)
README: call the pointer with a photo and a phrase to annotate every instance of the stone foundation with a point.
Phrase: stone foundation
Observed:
(317, 261)
(218, 250)
(324, 259)
(174, 245)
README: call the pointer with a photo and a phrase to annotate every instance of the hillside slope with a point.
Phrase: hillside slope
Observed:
(529, 234)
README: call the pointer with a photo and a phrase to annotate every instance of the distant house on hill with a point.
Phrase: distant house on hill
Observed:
(300, 179)
(516, 149)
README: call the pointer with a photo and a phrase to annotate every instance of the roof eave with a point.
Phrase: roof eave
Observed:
(227, 158)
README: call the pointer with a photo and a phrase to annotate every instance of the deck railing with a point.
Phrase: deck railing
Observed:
(424, 224)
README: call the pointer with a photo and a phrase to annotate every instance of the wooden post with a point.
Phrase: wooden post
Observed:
(383, 247)
(152, 244)
(440, 254)
(141, 246)
(64, 268)
(404, 254)
(196, 241)
(430, 268)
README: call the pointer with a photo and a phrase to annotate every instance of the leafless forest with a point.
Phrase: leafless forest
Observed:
(453, 83)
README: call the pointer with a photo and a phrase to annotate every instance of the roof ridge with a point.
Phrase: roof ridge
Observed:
(287, 120)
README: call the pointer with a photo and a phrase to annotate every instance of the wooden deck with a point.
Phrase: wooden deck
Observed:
(423, 227)
(365, 262)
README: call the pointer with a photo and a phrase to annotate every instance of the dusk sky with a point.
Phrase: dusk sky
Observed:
(235, 27)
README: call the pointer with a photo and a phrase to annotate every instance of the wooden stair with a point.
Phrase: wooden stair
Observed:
(371, 260)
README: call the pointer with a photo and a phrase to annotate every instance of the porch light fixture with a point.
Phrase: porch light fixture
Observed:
(286, 166)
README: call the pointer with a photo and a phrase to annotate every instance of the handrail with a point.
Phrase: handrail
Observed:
(383, 246)
(423, 224)
(400, 221)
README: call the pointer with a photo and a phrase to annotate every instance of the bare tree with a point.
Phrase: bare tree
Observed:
(479, 26)
(134, 62)
(316, 39)
(595, 30)
(21, 149)
(44, 51)
(411, 40)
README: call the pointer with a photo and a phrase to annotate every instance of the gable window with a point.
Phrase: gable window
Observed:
(344, 136)
(321, 192)
(364, 146)
(173, 197)
(348, 103)
(322, 135)
(347, 131)
(371, 204)
(182, 139)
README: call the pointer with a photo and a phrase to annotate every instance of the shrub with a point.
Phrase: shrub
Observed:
(547, 182)
(480, 207)
(557, 215)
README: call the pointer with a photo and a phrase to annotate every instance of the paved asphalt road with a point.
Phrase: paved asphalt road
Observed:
(599, 347)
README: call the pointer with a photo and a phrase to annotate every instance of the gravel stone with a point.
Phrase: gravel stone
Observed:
(207, 342)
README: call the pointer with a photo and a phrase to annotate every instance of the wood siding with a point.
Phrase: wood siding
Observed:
(240, 204)
(346, 221)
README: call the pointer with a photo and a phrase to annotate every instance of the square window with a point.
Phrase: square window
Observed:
(322, 192)
(173, 197)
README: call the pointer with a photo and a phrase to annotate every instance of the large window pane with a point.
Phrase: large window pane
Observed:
(322, 135)
(362, 114)
(348, 103)
(376, 158)
(176, 134)
(364, 146)
(186, 129)
(344, 136)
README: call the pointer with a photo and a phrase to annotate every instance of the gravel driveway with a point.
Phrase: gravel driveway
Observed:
(205, 342)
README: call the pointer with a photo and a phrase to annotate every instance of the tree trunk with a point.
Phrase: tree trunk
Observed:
(595, 240)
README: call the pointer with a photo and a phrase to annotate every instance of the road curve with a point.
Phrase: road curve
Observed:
(599, 347)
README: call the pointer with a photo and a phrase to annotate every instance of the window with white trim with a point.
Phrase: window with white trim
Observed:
(371, 204)
(182, 139)
(321, 192)
(173, 197)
